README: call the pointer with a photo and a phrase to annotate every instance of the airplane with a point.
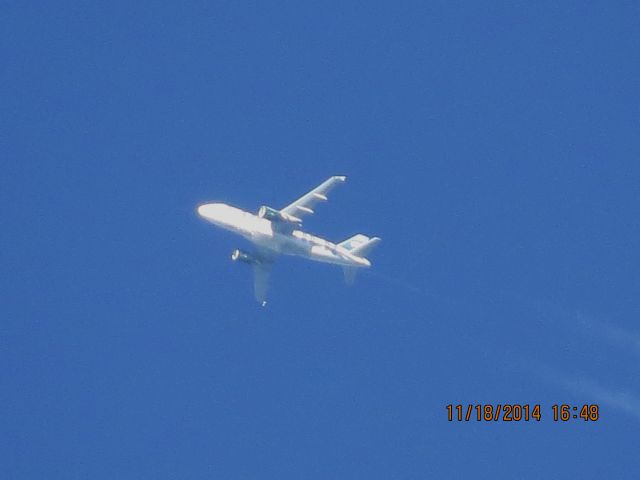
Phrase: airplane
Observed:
(278, 232)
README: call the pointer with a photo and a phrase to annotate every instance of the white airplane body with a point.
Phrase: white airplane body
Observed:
(277, 232)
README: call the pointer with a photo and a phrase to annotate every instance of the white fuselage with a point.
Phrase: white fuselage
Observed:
(286, 241)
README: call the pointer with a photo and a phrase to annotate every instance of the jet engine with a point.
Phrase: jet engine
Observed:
(240, 256)
(274, 215)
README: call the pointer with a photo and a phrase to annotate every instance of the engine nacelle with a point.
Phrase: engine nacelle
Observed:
(269, 213)
(244, 257)
(274, 215)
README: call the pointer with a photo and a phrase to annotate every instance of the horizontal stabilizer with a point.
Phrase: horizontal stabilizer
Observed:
(355, 241)
(365, 249)
(360, 245)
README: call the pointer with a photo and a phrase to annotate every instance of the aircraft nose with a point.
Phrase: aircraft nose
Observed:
(218, 213)
(210, 210)
(202, 210)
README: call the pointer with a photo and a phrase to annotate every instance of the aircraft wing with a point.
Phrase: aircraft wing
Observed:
(261, 273)
(304, 205)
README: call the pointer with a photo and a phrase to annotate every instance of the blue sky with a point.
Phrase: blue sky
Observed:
(494, 148)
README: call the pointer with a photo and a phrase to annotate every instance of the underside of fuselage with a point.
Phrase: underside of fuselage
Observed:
(282, 239)
(301, 244)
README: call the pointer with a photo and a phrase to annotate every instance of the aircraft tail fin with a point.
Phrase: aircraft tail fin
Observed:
(350, 274)
(360, 246)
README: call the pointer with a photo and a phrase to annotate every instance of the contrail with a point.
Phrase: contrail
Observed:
(584, 324)
(615, 335)
(397, 282)
(622, 401)
(409, 287)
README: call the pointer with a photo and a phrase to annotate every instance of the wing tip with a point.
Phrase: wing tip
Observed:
(340, 178)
